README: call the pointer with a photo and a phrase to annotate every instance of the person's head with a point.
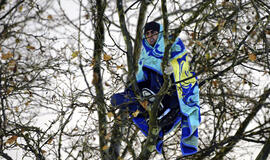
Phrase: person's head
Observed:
(151, 31)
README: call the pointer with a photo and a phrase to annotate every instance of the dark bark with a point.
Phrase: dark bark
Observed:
(97, 77)
(264, 153)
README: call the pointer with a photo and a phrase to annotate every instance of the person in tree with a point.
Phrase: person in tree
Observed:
(179, 106)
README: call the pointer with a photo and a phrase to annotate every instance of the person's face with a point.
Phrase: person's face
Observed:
(151, 37)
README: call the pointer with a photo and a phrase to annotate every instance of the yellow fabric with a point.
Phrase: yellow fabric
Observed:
(181, 72)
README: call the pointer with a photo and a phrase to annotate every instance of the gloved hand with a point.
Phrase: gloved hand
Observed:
(168, 70)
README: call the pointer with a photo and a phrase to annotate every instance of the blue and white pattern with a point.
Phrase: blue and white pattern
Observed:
(187, 91)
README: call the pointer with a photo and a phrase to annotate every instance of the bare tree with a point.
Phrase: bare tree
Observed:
(27, 68)
(62, 61)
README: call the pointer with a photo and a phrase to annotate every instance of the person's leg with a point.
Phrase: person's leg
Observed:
(126, 101)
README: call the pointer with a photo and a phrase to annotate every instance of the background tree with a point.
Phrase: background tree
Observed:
(27, 67)
(61, 62)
